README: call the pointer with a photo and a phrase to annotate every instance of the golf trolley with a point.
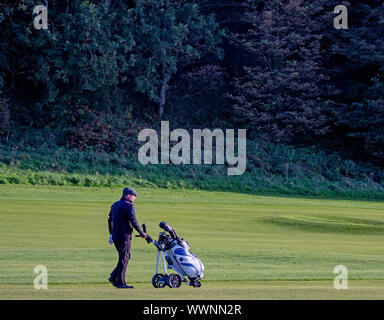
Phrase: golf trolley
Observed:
(175, 251)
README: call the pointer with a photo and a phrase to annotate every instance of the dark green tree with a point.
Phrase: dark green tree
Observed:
(356, 65)
(282, 92)
(168, 34)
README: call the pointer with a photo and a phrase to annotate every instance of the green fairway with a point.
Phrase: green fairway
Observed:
(253, 247)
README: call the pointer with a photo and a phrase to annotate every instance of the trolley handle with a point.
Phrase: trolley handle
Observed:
(144, 227)
(148, 238)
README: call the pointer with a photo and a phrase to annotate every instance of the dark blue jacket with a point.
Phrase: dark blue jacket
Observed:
(122, 220)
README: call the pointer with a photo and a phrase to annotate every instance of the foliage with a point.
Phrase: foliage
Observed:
(271, 169)
(304, 82)
(279, 93)
(169, 34)
(358, 114)
(104, 70)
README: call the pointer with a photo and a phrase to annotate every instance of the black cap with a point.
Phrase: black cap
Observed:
(129, 191)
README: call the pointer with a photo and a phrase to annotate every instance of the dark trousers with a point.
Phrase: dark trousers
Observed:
(123, 248)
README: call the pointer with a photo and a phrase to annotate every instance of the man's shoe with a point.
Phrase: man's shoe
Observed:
(113, 282)
(125, 286)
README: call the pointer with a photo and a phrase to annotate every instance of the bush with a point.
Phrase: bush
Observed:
(272, 169)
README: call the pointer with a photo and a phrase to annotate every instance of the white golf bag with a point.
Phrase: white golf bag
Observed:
(184, 262)
(176, 252)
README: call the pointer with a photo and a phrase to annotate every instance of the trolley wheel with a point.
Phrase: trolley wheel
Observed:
(158, 280)
(197, 284)
(174, 280)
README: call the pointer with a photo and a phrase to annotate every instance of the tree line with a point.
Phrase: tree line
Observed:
(104, 69)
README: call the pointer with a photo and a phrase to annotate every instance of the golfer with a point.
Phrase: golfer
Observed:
(121, 221)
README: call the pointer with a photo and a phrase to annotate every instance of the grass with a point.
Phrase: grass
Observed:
(253, 247)
(271, 170)
(235, 290)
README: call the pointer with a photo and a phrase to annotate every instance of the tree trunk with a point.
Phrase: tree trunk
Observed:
(162, 92)
(13, 74)
(164, 75)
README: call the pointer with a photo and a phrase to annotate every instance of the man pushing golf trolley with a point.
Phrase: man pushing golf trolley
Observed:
(175, 251)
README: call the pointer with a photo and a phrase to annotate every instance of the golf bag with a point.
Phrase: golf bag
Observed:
(180, 259)
(175, 251)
